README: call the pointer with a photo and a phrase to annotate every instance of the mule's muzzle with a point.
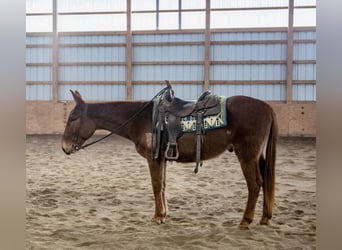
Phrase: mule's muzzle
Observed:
(66, 152)
(69, 148)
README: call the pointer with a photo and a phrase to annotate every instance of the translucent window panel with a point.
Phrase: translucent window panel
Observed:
(144, 21)
(39, 23)
(91, 5)
(193, 20)
(113, 22)
(304, 2)
(168, 4)
(143, 5)
(38, 6)
(191, 4)
(247, 3)
(249, 19)
(168, 20)
(304, 17)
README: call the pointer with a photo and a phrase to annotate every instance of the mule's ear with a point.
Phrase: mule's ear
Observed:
(77, 96)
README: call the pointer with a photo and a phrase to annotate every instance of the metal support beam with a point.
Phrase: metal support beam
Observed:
(289, 65)
(207, 46)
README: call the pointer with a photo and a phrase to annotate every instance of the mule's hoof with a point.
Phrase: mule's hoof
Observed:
(158, 220)
(264, 221)
(244, 225)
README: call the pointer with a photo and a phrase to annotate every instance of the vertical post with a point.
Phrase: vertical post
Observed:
(289, 65)
(54, 53)
(207, 46)
(179, 14)
(157, 14)
(129, 95)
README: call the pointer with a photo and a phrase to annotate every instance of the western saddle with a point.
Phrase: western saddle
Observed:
(168, 111)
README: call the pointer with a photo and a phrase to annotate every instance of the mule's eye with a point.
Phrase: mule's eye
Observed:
(73, 118)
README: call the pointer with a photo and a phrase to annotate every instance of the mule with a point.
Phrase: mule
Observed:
(251, 133)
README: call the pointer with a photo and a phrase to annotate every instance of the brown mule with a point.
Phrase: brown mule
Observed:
(251, 132)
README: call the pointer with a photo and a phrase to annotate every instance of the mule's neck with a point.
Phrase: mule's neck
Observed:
(115, 116)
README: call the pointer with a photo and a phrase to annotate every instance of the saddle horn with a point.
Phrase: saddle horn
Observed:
(170, 94)
(168, 84)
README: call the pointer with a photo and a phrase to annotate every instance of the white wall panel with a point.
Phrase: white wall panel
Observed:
(38, 73)
(248, 72)
(38, 40)
(304, 92)
(267, 92)
(183, 91)
(39, 92)
(92, 39)
(248, 52)
(93, 92)
(168, 53)
(172, 53)
(38, 55)
(92, 54)
(92, 73)
(304, 51)
(146, 91)
(304, 72)
(167, 72)
(304, 35)
(197, 37)
(248, 36)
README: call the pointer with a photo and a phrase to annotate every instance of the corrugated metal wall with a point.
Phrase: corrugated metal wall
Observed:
(92, 59)
(38, 67)
(95, 65)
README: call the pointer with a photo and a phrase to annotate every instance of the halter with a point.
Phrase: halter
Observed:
(77, 136)
(77, 147)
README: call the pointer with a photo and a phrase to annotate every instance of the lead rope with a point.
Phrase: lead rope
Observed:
(127, 121)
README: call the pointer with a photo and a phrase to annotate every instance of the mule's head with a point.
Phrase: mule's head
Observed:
(79, 127)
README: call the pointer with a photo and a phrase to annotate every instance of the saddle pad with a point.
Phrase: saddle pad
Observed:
(188, 123)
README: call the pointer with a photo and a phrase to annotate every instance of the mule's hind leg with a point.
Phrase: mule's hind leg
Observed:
(253, 184)
(158, 179)
(264, 219)
(251, 172)
(267, 207)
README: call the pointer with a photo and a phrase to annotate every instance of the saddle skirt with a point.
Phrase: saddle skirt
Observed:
(188, 123)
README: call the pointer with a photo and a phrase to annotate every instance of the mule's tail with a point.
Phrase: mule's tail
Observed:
(269, 170)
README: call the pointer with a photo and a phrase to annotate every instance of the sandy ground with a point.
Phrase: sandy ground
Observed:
(101, 198)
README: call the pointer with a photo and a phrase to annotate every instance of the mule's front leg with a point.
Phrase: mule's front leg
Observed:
(158, 179)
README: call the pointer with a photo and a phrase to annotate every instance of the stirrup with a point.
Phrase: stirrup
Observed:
(171, 152)
(198, 164)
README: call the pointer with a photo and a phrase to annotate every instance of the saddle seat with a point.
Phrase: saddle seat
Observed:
(182, 108)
